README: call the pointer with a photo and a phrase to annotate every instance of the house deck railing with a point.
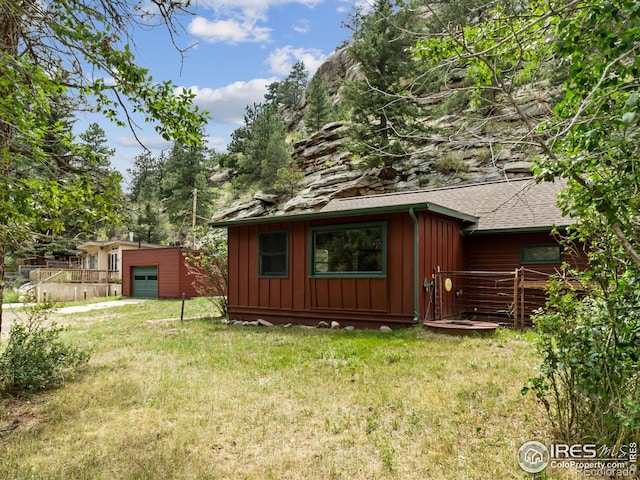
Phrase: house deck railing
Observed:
(56, 275)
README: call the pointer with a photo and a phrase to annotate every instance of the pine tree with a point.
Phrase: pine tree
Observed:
(318, 111)
(382, 102)
(186, 169)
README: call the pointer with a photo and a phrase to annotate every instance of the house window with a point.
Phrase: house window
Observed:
(273, 254)
(113, 261)
(548, 253)
(93, 262)
(349, 250)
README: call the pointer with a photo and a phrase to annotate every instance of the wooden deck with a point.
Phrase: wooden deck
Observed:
(57, 275)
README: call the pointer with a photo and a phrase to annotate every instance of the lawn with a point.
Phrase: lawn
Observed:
(162, 399)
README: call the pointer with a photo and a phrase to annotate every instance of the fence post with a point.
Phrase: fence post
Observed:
(182, 310)
(516, 317)
(522, 300)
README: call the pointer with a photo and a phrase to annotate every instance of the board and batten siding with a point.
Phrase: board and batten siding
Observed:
(441, 249)
(173, 277)
(501, 252)
(301, 298)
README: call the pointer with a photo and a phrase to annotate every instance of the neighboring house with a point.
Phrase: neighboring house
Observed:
(400, 258)
(98, 272)
(107, 256)
(158, 273)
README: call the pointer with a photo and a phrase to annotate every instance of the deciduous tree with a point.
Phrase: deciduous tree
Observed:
(77, 48)
(589, 375)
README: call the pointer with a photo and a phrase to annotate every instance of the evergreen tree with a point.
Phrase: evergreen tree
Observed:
(185, 172)
(145, 177)
(260, 146)
(318, 111)
(149, 224)
(276, 159)
(382, 102)
(146, 216)
(288, 92)
(95, 153)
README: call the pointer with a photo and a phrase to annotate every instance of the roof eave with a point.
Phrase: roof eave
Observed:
(526, 229)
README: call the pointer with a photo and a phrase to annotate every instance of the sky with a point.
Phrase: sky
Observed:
(235, 48)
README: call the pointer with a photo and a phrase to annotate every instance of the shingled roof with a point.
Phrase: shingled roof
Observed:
(503, 205)
(508, 205)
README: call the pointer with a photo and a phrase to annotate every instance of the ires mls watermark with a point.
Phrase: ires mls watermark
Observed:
(590, 459)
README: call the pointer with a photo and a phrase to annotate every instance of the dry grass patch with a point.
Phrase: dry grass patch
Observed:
(204, 400)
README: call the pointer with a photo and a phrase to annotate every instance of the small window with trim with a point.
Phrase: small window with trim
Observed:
(547, 253)
(353, 250)
(273, 254)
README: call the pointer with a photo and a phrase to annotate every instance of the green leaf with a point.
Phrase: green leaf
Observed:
(628, 118)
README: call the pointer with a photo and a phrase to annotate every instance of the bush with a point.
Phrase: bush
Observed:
(452, 163)
(208, 266)
(10, 295)
(589, 380)
(36, 358)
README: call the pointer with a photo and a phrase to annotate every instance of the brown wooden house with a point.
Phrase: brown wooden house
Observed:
(399, 258)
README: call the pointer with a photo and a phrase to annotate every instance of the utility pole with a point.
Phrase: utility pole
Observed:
(195, 202)
(193, 217)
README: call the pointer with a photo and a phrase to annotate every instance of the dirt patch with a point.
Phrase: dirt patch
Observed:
(19, 415)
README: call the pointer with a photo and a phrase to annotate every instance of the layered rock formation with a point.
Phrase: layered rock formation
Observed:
(460, 148)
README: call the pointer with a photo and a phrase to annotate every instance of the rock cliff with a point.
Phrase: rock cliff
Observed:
(461, 148)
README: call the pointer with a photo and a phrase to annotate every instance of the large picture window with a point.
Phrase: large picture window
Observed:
(273, 254)
(349, 250)
(548, 253)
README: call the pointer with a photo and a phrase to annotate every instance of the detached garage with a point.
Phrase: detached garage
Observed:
(157, 273)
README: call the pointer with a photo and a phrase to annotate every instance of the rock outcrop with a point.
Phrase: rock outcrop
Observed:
(464, 147)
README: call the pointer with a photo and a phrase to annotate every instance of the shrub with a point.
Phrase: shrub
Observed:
(36, 358)
(208, 266)
(452, 163)
(589, 380)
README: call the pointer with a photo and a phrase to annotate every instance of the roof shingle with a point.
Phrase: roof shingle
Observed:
(502, 205)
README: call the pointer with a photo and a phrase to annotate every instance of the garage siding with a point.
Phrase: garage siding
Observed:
(173, 279)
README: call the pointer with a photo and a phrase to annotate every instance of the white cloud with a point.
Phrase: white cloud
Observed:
(226, 105)
(230, 30)
(302, 26)
(282, 59)
(152, 143)
(254, 5)
(240, 21)
(348, 6)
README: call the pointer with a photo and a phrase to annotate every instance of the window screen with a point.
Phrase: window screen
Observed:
(549, 253)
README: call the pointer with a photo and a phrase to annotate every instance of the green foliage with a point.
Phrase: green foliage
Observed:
(277, 168)
(35, 357)
(186, 170)
(10, 295)
(589, 373)
(455, 103)
(259, 149)
(287, 179)
(452, 163)
(589, 380)
(288, 92)
(318, 111)
(145, 177)
(58, 50)
(209, 268)
(383, 102)
(599, 116)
